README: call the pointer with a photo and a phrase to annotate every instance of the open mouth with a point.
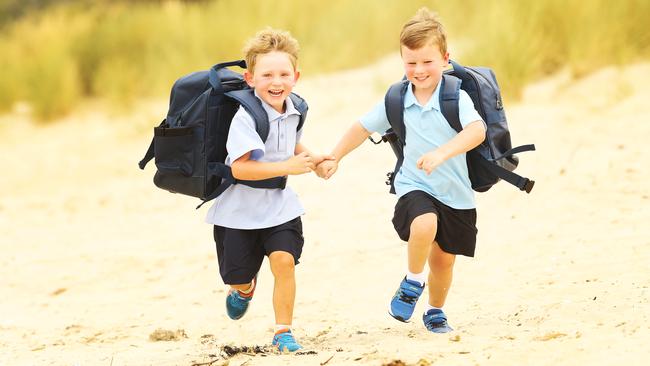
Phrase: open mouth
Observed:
(421, 78)
(275, 93)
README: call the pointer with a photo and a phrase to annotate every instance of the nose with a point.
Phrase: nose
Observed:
(277, 80)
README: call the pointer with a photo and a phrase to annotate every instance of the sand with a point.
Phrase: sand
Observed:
(99, 267)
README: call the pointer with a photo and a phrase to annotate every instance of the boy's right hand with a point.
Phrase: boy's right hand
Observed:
(299, 164)
(327, 168)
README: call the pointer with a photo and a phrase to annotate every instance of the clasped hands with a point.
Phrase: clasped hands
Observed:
(326, 165)
(305, 162)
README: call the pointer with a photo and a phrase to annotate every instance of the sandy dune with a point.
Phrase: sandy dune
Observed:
(95, 258)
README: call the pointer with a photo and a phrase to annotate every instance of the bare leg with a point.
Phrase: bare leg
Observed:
(423, 232)
(284, 289)
(441, 269)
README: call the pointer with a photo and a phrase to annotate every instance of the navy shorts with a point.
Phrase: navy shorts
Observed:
(456, 232)
(241, 252)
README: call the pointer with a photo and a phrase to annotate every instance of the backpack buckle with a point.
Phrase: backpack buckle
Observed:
(389, 178)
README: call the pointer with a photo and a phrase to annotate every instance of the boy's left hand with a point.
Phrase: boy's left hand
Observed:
(430, 161)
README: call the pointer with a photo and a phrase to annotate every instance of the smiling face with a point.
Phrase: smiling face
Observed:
(424, 66)
(273, 78)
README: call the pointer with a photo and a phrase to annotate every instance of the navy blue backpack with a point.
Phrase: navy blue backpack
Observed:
(189, 146)
(494, 159)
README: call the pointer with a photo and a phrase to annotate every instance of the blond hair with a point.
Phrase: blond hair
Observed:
(424, 28)
(269, 40)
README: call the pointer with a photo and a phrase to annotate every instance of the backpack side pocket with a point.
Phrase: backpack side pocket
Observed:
(173, 150)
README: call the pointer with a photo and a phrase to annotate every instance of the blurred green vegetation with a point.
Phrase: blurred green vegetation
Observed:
(55, 53)
(524, 41)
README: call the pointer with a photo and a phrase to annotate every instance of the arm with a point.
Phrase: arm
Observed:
(470, 137)
(245, 147)
(354, 137)
(246, 169)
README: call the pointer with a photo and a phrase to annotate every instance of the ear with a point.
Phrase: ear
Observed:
(296, 76)
(248, 77)
(445, 57)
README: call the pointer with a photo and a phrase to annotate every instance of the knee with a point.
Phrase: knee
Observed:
(424, 227)
(282, 264)
(442, 261)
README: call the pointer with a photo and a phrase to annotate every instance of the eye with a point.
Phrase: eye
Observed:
(428, 61)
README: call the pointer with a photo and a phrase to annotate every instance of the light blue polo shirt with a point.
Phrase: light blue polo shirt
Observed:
(426, 130)
(243, 207)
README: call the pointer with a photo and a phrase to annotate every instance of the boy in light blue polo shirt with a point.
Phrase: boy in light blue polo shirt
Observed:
(251, 223)
(435, 212)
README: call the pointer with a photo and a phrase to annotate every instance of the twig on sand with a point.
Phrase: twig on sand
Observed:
(209, 363)
(328, 360)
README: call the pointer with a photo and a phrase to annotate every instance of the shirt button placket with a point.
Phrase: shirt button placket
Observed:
(281, 133)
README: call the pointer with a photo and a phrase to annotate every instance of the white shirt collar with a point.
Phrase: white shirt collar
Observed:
(273, 114)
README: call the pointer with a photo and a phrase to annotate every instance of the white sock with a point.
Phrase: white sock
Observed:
(429, 307)
(279, 327)
(418, 277)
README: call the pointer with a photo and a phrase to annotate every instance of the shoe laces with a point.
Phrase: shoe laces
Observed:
(407, 298)
(239, 300)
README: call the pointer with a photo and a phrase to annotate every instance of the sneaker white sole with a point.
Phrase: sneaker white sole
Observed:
(398, 318)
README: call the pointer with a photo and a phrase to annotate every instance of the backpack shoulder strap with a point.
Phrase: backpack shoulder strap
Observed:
(247, 99)
(449, 96)
(301, 106)
(394, 103)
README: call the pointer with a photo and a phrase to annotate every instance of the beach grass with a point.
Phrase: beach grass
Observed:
(121, 51)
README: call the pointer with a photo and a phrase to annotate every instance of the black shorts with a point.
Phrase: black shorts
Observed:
(456, 232)
(241, 252)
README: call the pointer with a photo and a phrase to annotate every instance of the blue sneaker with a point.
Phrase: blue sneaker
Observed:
(436, 321)
(403, 302)
(285, 342)
(237, 304)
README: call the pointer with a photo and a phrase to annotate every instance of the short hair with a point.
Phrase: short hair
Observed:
(269, 40)
(422, 29)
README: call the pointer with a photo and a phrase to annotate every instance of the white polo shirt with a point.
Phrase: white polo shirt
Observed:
(243, 207)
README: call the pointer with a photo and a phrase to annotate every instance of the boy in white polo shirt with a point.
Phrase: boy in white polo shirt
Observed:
(435, 212)
(250, 223)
